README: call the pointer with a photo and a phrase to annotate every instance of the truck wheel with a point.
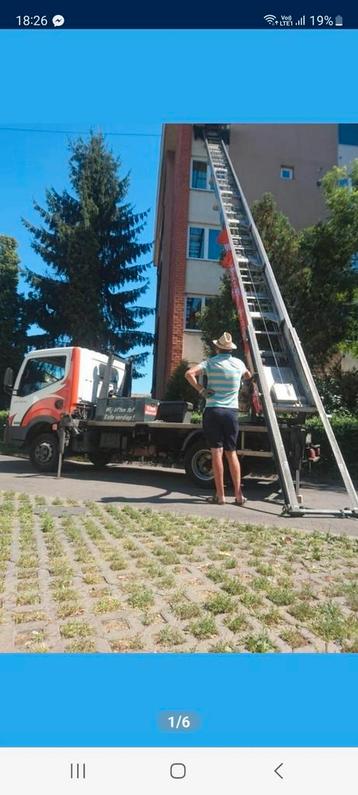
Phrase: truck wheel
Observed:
(198, 466)
(44, 452)
(100, 459)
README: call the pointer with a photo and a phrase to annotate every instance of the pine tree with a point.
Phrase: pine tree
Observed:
(89, 239)
(12, 318)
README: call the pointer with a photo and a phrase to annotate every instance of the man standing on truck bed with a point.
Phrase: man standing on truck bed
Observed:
(221, 415)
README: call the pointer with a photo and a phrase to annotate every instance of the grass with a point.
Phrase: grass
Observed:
(186, 610)
(140, 596)
(222, 648)
(212, 585)
(330, 623)
(127, 644)
(280, 595)
(107, 604)
(237, 623)
(76, 629)
(293, 638)
(80, 646)
(220, 603)
(69, 609)
(29, 617)
(170, 636)
(203, 628)
(259, 644)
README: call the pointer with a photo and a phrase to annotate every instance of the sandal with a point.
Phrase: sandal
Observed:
(241, 502)
(214, 500)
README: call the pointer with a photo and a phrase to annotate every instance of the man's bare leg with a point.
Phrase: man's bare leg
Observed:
(235, 472)
(218, 469)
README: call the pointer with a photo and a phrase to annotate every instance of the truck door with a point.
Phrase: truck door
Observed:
(41, 386)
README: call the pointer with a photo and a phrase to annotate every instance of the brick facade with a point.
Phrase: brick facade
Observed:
(178, 248)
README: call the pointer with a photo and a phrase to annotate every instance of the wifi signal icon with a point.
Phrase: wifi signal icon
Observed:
(270, 18)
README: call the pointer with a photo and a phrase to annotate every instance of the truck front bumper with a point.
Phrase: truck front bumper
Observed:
(14, 436)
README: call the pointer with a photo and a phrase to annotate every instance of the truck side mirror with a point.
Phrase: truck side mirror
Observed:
(8, 380)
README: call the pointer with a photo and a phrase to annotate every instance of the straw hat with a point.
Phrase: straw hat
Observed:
(225, 342)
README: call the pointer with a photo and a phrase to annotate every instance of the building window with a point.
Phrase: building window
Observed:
(194, 305)
(214, 248)
(201, 175)
(203, 243)
(287, 173)
(196, 242)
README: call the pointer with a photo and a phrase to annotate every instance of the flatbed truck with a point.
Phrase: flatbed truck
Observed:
(73, 401)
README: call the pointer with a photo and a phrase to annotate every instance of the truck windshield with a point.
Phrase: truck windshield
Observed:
(40, 373)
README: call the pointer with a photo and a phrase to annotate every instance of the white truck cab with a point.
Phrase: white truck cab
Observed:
(52, 382)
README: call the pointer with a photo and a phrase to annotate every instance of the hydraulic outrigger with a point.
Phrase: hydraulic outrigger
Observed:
(271, 344)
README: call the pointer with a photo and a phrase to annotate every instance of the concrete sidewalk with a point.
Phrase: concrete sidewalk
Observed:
(170, 490)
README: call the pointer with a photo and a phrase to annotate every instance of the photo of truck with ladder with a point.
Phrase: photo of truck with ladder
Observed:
(70, 400)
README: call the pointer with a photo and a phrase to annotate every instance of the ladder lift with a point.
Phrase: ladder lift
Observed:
(271, 344)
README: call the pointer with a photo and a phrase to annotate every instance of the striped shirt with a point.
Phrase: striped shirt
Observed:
(224, 373)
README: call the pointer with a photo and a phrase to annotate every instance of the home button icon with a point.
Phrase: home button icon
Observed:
(177, 770)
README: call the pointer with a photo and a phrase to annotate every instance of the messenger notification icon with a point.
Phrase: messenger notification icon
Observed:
(58, 20)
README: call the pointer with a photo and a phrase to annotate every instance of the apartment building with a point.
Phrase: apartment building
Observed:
(286, 160)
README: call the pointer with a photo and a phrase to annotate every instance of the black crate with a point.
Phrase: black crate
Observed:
(174, 411)
(143, 409)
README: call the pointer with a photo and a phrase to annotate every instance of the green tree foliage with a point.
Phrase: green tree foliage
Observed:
(326, 297)
(12, 316)
(281, 242)
(313, 269)
(178, 387)
(89, 239)
(219, 316)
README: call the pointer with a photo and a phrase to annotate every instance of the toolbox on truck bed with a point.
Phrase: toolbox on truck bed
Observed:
(174, 411)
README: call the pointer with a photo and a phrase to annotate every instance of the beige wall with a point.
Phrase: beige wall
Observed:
(259, 150)
(202, 208)
(203, 277)
(193, 349)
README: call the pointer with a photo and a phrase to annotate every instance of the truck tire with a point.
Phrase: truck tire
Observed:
(43, 452)
(100, 458)
(197, 463)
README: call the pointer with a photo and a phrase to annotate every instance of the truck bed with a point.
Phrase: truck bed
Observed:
(162, 424)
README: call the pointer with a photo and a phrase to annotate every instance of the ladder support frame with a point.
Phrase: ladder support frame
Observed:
(295, 351)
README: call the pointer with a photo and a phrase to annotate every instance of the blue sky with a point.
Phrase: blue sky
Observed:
(35, 157)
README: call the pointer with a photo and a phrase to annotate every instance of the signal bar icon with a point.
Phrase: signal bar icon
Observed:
(301, 21)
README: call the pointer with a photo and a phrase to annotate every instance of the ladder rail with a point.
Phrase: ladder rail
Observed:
(271, 418)
(289, 333)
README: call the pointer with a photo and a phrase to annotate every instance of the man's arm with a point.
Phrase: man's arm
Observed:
(191, 377)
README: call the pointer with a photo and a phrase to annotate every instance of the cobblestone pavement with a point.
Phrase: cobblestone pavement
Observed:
(169, 490)
(90, 577)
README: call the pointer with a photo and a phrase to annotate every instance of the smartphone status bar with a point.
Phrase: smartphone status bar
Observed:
(163, 15)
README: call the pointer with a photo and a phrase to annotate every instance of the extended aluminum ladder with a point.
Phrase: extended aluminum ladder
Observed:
(272, 347)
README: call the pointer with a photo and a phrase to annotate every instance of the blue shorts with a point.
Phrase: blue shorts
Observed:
(221, 427)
